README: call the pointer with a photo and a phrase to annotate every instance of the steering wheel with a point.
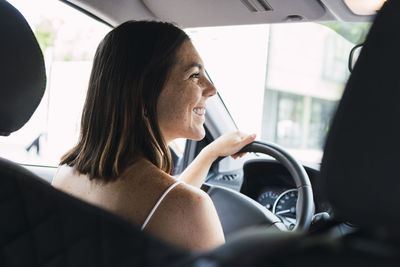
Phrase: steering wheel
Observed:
(237, 211)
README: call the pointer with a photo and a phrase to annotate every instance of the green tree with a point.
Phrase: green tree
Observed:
(45, 33)
(355, 32)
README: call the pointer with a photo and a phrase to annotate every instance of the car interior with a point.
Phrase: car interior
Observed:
(342, 211)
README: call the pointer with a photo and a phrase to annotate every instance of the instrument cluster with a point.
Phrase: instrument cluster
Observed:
(281, 202)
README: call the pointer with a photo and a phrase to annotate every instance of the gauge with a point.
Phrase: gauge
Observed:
(267, 199)
(285, 204)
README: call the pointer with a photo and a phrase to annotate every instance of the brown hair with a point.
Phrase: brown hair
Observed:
(119, 120)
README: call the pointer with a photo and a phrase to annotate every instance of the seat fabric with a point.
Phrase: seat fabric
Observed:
(22, 70)
(359, 171)
(42, 226)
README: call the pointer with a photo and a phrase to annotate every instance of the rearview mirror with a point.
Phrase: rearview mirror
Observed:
(354, 54)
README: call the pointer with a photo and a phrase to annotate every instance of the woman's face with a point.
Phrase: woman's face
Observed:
(182, 103)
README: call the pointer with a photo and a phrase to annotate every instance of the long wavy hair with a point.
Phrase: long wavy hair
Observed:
(119, 121)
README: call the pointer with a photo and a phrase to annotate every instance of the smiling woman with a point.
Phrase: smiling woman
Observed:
(147, 87)
(136, 188)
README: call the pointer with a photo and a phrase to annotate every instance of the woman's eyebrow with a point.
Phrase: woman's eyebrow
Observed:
(193, 65)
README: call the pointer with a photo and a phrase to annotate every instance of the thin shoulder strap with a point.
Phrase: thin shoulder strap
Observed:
(158, 203)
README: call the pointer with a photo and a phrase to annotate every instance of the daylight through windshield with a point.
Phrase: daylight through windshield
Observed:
(281, 81)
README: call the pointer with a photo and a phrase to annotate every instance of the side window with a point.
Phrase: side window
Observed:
(68, 40)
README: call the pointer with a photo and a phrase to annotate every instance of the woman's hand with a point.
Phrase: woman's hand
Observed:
(226, 145)
(229, 144)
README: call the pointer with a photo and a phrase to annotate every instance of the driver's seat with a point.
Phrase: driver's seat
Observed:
(39, 225)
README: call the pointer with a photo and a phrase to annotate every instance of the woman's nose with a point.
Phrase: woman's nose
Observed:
(209, 89)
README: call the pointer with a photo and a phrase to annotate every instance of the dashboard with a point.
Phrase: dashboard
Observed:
(281, 202)
(270, 184)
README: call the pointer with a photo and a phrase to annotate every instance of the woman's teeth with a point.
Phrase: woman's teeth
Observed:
(199, 111)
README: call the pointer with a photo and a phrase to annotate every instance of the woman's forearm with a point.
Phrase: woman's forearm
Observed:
(196, 172)
(226, 145)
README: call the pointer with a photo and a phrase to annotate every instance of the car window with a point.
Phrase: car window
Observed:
(68, 40)
(281, 81)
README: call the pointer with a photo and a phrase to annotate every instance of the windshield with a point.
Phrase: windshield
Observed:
(281, 81)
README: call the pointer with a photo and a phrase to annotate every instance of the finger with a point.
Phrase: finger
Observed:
(250, 138)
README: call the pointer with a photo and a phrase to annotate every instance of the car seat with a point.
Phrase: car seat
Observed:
(39, 225)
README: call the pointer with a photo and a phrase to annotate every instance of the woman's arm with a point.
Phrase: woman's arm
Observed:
(226, 145)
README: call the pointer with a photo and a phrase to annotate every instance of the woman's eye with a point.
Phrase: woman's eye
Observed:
(194, 75)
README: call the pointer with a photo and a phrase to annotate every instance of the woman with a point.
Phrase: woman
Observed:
(147, 87)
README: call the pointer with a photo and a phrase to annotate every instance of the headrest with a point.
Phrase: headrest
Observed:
(360, 167)
(22, 72)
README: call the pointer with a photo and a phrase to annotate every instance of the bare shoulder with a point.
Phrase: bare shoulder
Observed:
(59, 175)
(64, 177)
(187, 218)
(187, 196)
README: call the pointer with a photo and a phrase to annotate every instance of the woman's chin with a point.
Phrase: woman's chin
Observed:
(197, 135)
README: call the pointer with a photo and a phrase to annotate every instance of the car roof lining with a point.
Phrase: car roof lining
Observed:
(88, 13)
(115, 12)
(194, 13)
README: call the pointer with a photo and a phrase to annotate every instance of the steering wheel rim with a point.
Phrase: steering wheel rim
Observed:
(305, 200)
(230, 203)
